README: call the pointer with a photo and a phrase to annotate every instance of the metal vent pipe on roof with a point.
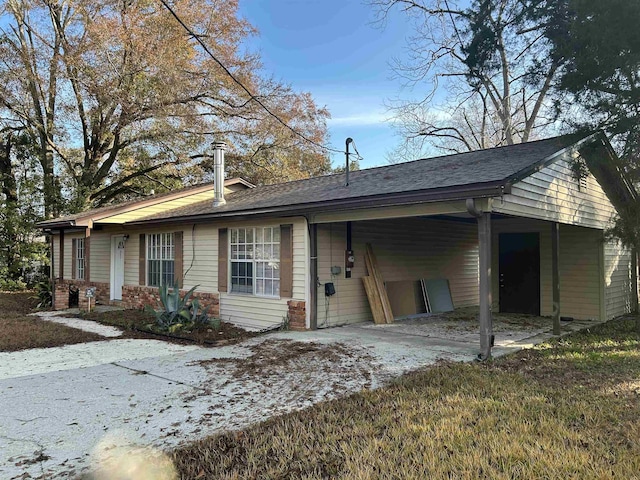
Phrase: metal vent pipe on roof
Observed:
(347, 142)
(218, 173)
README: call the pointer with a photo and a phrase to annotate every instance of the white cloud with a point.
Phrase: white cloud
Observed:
(360, 119)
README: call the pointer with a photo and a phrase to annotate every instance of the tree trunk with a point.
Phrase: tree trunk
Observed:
(11, 217)
(50, 188)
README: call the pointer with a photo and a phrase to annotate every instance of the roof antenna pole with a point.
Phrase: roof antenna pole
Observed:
(348, 141)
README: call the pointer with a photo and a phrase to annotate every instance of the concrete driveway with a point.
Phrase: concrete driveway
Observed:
(57, 404)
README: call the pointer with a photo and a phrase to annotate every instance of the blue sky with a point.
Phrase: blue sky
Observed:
(331, 49)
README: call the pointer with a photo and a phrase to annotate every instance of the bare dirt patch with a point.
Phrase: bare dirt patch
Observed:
(463, 322)
(20, 332)
(501, 321)
(277, 376)
(136, 324)
(272, 357)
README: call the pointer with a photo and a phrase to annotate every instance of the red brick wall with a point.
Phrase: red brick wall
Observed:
(137, 297)
(297, 315)
(61, 293)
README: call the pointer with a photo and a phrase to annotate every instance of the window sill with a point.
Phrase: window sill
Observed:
(253, 295)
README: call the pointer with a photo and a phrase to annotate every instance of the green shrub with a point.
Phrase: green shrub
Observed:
(10, 285)
(44, 293)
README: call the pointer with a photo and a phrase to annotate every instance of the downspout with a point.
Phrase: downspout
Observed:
(484, 288)
(472, 209)
(313, 274)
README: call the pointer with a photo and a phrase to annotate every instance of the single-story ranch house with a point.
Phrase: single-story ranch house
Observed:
(514, 229)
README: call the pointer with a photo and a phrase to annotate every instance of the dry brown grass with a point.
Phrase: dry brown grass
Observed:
(19, 331)
(568, 409)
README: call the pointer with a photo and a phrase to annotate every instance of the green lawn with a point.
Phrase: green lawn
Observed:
(568, 409)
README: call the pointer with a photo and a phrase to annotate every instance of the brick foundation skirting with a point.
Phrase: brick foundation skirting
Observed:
(61, 293)
(297, 315)
(137, 297)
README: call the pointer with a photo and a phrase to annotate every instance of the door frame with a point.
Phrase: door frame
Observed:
(112, 248)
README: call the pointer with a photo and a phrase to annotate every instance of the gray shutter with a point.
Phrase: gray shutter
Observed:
(178, 258)
(74, 257)
(286, 261)
(142, 260)
(223, 260)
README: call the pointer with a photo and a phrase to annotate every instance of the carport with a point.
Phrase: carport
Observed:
(460, 248)
(531, 244)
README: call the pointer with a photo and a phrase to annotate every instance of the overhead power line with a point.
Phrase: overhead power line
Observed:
(355, 149)
(233, 77)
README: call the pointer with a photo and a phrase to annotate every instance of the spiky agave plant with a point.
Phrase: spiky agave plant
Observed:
(178, 312)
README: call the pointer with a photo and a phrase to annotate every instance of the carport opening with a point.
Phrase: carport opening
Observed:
(519, 273)
(409, 250)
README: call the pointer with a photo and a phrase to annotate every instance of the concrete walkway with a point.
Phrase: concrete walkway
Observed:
(160, 395)
(79, 323)
(40, 361)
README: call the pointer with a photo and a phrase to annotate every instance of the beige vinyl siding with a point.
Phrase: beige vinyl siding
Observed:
(262, 312)
(204, 268)
(553, 194)
(159, 207)
(406, 249)
(132, 250)
(100, 256)
(580, 272)
(163, 206)
(244, 310)
(579, 266)
(618, 280)
(349, 304)
(67, 252)
(201, 269)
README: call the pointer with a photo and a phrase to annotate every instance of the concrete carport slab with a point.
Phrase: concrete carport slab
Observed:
(51, 421)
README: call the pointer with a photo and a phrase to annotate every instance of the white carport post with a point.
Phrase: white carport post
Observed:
(486, 320)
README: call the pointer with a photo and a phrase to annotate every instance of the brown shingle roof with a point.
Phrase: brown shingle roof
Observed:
(482, 168)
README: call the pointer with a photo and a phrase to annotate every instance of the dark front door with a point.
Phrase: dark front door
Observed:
(519, 273)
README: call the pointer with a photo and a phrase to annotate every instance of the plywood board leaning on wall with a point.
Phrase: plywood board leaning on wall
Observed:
(406, 297)
(374, 300)
(374, 272)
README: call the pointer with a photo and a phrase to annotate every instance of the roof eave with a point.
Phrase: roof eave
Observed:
(238, 180)
(488, 190)
(52, 224)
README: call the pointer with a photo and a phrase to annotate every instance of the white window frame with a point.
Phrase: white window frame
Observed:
(80, 259)
(160, 248)
(262, 253)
